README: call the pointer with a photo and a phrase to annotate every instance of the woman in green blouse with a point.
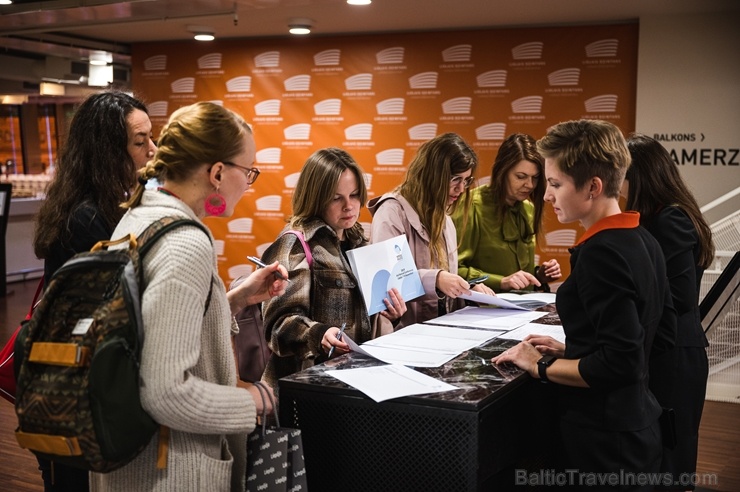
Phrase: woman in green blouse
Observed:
(497, 236)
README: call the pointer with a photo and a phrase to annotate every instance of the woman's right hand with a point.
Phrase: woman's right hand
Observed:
(546, 345)
(519, 281)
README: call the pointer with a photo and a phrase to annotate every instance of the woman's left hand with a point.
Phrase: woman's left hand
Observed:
(549, 271)
(523, 355)
(395, 305)
(483, 289)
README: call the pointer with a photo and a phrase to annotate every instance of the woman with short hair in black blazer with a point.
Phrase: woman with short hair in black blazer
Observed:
(615, 308)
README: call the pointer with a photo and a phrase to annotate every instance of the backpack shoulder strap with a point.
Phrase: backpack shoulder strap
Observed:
(306, 248)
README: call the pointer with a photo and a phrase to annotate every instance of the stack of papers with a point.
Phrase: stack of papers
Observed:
(487, 318)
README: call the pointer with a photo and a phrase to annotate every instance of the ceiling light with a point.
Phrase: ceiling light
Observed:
(300, 26)
(202, 33)
(6, 2)
(100, 57)
(359, 2)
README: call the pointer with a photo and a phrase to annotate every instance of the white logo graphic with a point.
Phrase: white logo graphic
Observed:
(239, 84)
(390, 157)
(218, 245)
(492, 78)
(217, 102)
(393, 105)
(563, 237)
(157, 108)
(527, 104)
(423, 131)
(565, 76)
(267, 59)
(211, 60)
(457, 105)
(261, 248)
(299, 131)
(605, 47)
(359, 82)
(242, 225)
(185, 84)
(360, 131)
(491, 131)
(459, 53)
(269, 203)
(291, 180)
(328, 107)
(270, 155)
(298, 83)
(368, 178)
(242, 270)
(390, 55)
(156, 62)
(424, 80)
(327, 57)
(270, 107)
(606, 103)
(527, 51)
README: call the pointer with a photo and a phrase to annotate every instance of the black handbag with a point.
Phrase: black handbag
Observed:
(274, 454)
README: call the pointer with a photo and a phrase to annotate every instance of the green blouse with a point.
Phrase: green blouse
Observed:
(494, 245)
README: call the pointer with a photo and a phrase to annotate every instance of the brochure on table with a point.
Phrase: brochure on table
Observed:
(381, 266)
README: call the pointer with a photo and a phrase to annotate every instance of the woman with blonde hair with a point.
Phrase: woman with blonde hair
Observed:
(438, 178)
(204, 163)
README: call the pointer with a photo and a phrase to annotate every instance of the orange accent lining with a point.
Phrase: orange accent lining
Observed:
(624, 220)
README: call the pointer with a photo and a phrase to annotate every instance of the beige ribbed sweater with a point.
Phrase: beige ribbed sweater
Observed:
(188, 370)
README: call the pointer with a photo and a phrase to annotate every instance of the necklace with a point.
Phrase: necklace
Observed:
(167, 192)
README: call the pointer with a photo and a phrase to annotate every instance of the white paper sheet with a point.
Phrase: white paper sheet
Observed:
(392, 381)
(487, 318)
(402, 356)
(555, 331)
(435, 339)
(530, 300)
(480, 298)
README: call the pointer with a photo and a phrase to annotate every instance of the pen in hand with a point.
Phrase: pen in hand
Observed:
(339, 337)
(260, 264)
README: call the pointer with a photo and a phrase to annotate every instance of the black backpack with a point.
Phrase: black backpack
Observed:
(77, 358)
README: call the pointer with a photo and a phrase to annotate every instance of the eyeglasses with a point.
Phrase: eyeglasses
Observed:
(251, 173)
(466, 182)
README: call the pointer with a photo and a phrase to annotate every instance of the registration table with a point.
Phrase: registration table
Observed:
(469, 439)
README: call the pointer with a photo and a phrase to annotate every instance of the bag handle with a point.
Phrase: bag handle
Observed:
(306, 248)
(264, 391)
(35, 298)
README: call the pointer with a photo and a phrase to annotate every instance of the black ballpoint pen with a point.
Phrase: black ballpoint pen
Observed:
(260, 264)
(339, 337)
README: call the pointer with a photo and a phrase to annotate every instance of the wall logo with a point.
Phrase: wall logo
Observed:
(359, 82)
(459, 53)
(299, 131)
(390, 55)
(241, 270)
(327, 57)
(565, 76)
(298, 83)
(156, 62)
(528, 51)
(603, 48)
(158, 108)
(185, 84)
(390, 157)
(491, 131)
(261, 248)
(218, 246)
(239, 84)
(492, 78)
(270, 107)
(269, 203)
(291, 180)
(242, 225)
(457, 105)
(424, 80)
(423, 131)
(328, 107)
(393, 105)
(210, 61)
(527, 104)
(218, 102)
(606, 103)
(270, 155)
(562, 237)
(268, 59)
(368, 179)
(360, 131)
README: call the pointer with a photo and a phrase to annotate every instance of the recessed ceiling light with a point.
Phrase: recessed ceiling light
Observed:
(6, 2)
(300, 26)
(202, 33)
(359, 2)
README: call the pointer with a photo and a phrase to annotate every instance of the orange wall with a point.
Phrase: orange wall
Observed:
(381, 96)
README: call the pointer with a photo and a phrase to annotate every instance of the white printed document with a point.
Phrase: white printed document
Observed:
(490, 300)
(555, 331)
(487, 318)
(531, 300)
(379, 267)
(392, 381)
(403, 356)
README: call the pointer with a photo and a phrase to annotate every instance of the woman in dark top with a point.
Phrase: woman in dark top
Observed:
(109, 138)
(615, 309)
(668, 210)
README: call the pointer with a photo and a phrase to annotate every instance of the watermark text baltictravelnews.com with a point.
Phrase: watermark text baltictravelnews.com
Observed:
(552, 477)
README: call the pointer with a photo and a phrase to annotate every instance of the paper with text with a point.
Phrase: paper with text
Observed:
(487, 318)
(555, 331)
(490, 300)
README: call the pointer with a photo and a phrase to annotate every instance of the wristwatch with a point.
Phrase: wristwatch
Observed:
(542, 365)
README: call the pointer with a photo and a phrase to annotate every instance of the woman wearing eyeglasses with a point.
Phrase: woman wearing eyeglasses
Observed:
(498, 232)
(437, 180)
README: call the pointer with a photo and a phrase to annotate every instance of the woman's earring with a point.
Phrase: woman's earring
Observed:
(215, 204)
(590, 196)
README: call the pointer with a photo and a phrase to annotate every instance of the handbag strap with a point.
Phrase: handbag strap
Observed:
(306, 248)
(35, 298)
(265, 392)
